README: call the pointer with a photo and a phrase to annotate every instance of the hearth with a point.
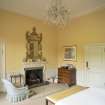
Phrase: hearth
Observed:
(33, 76)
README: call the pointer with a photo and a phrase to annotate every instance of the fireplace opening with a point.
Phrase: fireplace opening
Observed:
(33, 76)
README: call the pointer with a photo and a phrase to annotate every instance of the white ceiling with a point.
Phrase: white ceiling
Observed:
(37, 8)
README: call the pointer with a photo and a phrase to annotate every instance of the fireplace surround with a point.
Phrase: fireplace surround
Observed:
(35, 73)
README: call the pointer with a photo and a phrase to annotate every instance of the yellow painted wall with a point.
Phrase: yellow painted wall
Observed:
(80, 32)
(12, 30)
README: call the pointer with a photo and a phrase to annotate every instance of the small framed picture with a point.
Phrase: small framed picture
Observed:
(70, 53)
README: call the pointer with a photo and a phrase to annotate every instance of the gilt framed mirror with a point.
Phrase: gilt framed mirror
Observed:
(33, 45)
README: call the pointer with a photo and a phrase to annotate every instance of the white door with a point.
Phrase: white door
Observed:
(95, 65)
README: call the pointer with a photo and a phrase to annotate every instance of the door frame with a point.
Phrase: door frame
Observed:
(3, 63)
(4, 59)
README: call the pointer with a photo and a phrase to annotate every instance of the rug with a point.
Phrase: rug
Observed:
(38, 95)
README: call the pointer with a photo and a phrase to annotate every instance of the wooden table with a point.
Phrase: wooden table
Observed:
(60, 95)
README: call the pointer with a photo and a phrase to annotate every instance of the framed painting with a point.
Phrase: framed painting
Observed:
(70, 53)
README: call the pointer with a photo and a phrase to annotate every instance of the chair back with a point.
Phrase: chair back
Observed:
(9, 87)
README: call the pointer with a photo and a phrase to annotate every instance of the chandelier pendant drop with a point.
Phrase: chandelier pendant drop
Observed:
(57, 14)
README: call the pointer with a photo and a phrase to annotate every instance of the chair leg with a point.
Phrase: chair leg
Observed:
(46, 102)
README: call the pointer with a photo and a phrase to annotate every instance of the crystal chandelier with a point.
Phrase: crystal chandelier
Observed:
(57, 13)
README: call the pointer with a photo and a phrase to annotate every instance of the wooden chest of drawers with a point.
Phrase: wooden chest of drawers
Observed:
(66, 75)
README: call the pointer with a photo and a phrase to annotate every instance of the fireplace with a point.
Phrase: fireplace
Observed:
(33, 76)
